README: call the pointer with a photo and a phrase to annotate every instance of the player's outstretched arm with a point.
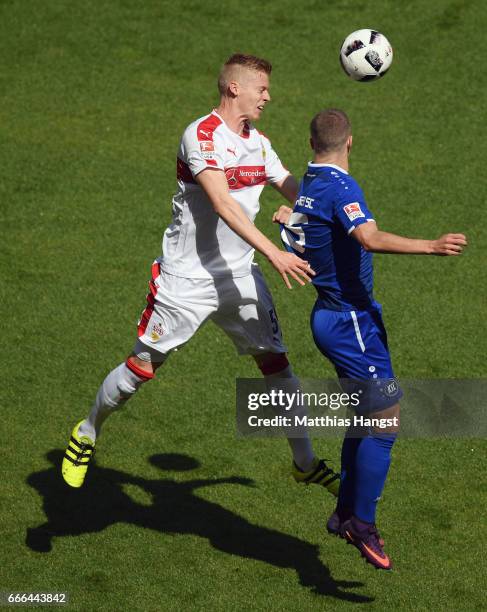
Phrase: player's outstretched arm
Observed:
(376, 241)
(215, 186)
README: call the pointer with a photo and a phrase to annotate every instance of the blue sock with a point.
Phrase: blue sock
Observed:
(347, 477)
(372, 462)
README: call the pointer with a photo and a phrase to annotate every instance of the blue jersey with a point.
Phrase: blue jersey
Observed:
(329, 206)
(346, 321)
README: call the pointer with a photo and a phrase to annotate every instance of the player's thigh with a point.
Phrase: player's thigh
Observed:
(352, 341)
(248, 316)
(176, 308)
(356, 344)
(334, 336)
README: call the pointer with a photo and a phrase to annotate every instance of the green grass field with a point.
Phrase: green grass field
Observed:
(93, 99)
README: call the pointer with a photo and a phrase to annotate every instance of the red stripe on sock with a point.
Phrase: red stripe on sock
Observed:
(139, 371)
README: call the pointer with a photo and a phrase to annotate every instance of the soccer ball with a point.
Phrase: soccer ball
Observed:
(366, 55)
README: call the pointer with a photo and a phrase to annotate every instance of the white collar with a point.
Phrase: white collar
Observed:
(246, 129)
(327, 165)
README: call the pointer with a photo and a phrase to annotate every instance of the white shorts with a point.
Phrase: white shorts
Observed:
(178, 306)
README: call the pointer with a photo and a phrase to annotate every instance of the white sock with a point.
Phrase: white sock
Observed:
(115, 390)
(301, 448)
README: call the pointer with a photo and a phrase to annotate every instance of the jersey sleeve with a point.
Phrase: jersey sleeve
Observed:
(202, 151)
(350, 207)
(274, 169)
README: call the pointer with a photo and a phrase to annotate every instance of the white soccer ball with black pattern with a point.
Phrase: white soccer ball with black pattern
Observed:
(366, 55)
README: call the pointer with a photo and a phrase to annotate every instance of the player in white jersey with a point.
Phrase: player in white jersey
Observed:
(199, 244)
(207, 270)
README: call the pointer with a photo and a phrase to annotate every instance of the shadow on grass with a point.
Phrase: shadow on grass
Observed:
(174, 510)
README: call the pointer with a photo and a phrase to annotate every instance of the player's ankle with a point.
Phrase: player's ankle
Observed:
(344, 513)
(304, 464)
(86, 429)
(360, 525)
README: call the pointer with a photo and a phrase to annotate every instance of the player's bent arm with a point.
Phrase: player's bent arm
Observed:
(376, 241)
(215, 186)
(288, 187)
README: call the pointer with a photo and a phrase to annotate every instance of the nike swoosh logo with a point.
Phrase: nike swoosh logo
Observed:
(383, 562)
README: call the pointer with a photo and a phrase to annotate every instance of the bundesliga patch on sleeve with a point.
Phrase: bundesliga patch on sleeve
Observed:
(353, 211)
(207, 145)
(207, 149)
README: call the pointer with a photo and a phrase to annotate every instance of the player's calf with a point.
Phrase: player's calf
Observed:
(306, 467)
(118, 387)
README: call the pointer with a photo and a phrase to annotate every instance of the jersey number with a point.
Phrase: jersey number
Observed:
(294, 236)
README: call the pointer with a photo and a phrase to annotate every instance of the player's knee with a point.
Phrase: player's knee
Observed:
(271, 363)
(142, 367)
(132, 375)
(390, 420)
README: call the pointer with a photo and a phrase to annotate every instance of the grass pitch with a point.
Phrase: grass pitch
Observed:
(178, 513)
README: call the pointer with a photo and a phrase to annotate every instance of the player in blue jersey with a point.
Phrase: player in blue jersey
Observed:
(333, 229)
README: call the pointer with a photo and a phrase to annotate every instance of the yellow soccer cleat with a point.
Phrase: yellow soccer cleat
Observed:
(76, 458)
(319, 473)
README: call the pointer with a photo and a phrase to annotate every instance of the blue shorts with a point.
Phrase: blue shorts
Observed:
(356, 343)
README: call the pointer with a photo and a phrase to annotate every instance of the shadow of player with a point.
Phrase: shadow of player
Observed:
(175, 509)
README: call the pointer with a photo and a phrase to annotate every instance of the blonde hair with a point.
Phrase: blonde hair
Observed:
(237, 62)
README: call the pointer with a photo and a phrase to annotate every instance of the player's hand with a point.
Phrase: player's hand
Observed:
(449, 244)
(282, 215)
(292, 265)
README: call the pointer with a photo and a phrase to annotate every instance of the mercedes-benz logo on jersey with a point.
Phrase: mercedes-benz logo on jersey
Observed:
(231, 178)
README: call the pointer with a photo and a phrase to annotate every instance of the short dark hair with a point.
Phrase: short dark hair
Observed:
(250, 62)
(330, 129)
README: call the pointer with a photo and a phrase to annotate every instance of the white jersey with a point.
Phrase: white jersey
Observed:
(198, 244)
